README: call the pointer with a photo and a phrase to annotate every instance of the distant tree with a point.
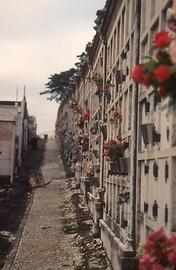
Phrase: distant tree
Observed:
(60, 86)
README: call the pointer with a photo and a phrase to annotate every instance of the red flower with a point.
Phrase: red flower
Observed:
(172, 257)
(156, 241)
(160, 252)
(117, 114)
(86, 115)
(157, 267)
(171, 254)
(158, 235)
(137, 74)
(107, 146)
(162, 73)
(145, 262)
(140, 76)
(162, 39)
(162, 91)
(146, 80)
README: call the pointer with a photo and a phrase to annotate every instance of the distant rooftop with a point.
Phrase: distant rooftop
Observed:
(9, 102)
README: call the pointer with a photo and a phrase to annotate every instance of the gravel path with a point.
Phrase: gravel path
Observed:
(44, 245)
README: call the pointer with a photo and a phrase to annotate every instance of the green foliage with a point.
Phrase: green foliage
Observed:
(60, 86)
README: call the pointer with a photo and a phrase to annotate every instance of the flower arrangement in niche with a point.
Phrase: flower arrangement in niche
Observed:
(159, 252)
(94, 128)
(160, 71)
(90, 170)
(80, 122)
(77, 108)
(83, 139)
(124, 197)
(98, 79)
(117, 115)
(107, 86)
(113, 150)
(86, 115)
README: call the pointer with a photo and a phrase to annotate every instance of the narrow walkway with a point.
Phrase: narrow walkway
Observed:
(44, 245)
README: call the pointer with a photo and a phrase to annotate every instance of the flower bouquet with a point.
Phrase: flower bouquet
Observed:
(159, 71)
(159, 252)
(98, 79)
(113, 150)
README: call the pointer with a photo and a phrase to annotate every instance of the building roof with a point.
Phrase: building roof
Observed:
(9, 103)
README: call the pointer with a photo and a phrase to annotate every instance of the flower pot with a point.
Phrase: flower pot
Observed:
(117, 167)
(87, 185)
(101, 196)
(146, 207)
(147, 133)
(123, 166)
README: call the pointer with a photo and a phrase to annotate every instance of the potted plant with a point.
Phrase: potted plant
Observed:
(114, 149)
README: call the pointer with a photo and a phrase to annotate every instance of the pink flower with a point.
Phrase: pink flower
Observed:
(157, 267)
(162, 73)
(156, 242)
(145, 262)
(173, 52)
(172, 257)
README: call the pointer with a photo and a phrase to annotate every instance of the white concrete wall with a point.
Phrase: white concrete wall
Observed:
(7, 149)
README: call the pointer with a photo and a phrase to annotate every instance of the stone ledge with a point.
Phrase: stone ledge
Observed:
(114, 245)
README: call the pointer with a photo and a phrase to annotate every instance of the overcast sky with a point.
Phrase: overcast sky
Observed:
(39, 38)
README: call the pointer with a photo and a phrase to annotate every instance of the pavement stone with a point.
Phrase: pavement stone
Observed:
(43, 244)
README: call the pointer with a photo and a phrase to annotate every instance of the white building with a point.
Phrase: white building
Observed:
(134, 195)
(13, 137)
